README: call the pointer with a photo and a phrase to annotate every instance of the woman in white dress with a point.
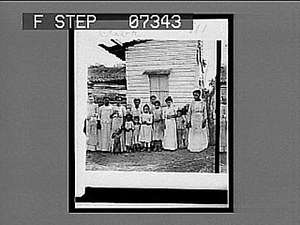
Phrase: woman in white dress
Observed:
(91, 133)
(91, 126)
(119, 112)
(170, 135)
(197, 124)
(104, 115)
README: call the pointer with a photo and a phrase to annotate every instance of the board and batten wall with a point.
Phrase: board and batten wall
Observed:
(177, 55)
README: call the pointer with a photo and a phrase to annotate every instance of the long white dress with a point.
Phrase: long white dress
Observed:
(104, 141)
(117, 122)
(91, 110)
(170, 134)
(146, 130)
(91, 126)
(136, 134)
(118, 118)
(91, 132)
(158, 125)
(129, 126)
(198, 138)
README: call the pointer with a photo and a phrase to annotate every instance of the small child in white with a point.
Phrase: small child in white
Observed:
(146, 128)
(136, 134)
(129, 128)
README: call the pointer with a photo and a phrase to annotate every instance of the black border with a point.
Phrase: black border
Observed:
(204, 196)
(218, 105)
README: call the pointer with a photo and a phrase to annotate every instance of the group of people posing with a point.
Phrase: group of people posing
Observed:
(148, 127)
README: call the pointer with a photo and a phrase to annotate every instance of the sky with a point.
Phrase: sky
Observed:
(87, 40)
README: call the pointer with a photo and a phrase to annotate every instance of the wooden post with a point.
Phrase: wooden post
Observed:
(218, 71)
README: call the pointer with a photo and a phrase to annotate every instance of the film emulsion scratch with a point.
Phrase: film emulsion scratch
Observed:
(151, 116)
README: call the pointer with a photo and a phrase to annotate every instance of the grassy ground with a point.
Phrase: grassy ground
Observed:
(180, 160)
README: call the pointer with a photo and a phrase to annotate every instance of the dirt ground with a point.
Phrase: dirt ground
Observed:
(180, 160)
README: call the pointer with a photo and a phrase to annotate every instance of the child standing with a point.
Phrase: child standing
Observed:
(136, 134)
(116, 141)
(146, 128)
(181, 126)
(129, 128)
(158, 126)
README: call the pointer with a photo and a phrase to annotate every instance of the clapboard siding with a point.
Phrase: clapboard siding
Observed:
(136, 76)
(181, 69)
(178, 56)
(159, 66)
(160, 54)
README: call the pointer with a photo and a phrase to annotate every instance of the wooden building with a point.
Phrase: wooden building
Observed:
(175, 68)
(160, 67)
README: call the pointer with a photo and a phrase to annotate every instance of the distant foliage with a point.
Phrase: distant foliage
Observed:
(101, 73)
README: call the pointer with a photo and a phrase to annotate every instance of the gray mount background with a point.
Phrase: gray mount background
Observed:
(33, 117)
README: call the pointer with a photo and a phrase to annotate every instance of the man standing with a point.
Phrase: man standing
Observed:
(136, 110)
(153, 99)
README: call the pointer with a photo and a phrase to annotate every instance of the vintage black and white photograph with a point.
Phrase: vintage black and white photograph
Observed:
(155, 107)
(151, 108)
